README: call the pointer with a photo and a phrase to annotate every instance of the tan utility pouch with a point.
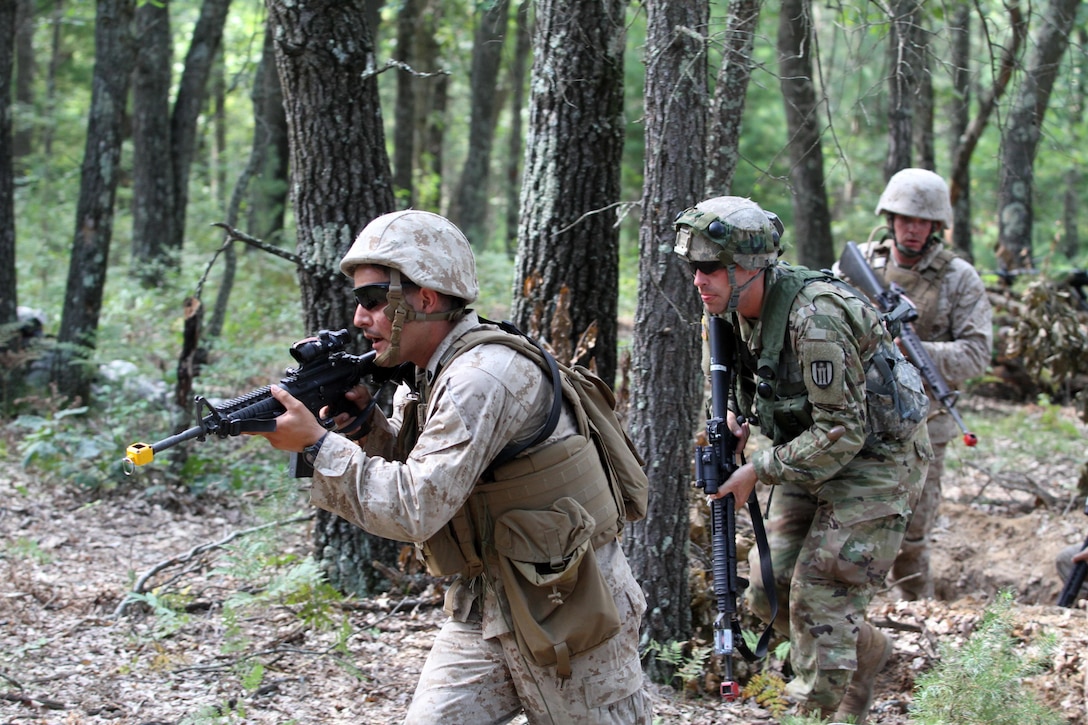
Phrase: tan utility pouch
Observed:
(560, 603)
(452, 550)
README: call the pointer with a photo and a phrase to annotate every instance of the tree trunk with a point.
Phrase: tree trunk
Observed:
(959, 120)
(667, 352)
(55, 59)
(727, 105)
(192, 92)
(922, 128)
(341, 179)
(987, 102)
(114, 57)
(404, 129)
(523, 47)
(1071, 200)
(905, 62)
(811, 231)
(470, 202)
(268, 197)
(22, 140)
(1020, 137)
(8, 297)
(569, 243)
(152, 164)
(430, 118)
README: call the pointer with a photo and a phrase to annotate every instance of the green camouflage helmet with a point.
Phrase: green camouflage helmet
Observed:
(730, 230)
(426, 248)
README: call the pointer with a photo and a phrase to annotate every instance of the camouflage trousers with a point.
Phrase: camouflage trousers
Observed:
(911, 565)
(469, 679)
(831, 548)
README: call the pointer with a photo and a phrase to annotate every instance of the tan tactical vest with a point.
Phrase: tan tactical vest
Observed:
(922, 287)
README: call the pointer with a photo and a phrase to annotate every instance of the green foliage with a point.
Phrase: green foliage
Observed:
(24, 548)
(167, 609)
(688, 660)
(981, 682)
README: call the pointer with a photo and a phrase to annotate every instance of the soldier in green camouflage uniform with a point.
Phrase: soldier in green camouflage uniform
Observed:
(847, 469)
(954, 324)
(415, 275)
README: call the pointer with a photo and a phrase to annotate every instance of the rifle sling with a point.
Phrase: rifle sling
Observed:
(767, 575)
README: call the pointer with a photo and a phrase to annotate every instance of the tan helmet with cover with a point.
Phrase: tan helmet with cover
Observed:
(918, 193)
(421, 248)
(730, 230)
(427, 249)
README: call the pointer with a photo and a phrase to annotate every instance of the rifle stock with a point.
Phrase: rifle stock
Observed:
(324, 374)
(898, 311)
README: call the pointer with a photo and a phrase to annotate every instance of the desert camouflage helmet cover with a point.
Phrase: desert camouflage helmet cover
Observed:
(731, 230)
(917, 193)
(427, 248)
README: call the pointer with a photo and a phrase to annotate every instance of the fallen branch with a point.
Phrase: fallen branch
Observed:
(35, 701)
(1016, 482)
(140, 587)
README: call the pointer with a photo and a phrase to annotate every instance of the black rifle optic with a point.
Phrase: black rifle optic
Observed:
(898, 311)
(714, 463)
(1076, 577)
(324, 373)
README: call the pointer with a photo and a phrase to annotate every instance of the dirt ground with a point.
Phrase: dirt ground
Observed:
(66, 563)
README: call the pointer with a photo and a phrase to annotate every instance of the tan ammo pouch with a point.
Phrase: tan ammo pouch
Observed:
(551, 509)
(452, 550)
(560, 604)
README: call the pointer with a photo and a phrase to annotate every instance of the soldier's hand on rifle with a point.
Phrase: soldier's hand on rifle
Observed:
(1080, 556)
(740, 430)
(741, 484)
(354, 423)
(296, 427)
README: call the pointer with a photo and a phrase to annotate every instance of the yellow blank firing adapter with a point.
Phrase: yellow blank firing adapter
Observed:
(140, 453)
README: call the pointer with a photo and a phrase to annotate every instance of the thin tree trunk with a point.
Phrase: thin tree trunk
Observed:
(811, 232)
(523, 47)
(404, 130)
(430, 119)
(268, 197)
(730, 92)
(1022, 132)
(22, 142)
(114, 56)
(905, 63)
(470, 201)
(960, 115)
(1071, 198)
(152, 164)
(8, 296)
(192, 92)
(667, 351)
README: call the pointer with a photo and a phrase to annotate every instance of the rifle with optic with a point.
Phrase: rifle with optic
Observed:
(324, 374)
(899, 313)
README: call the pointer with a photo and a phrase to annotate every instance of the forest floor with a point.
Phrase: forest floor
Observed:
(67, 561)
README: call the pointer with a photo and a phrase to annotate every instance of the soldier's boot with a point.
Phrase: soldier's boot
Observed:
(910, 571)
(874, 649)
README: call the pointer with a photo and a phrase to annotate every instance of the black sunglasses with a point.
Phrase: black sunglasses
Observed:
(704, 267)
(370, 296)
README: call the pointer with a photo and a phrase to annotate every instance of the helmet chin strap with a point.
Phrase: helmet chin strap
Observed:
(734, 297)
(399, 312)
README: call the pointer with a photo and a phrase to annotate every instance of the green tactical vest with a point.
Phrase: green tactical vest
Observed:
(895, 397)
